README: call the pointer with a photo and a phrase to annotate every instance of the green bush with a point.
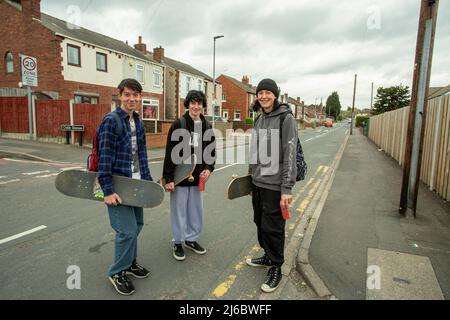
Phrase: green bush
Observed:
(360, 119)
(248, 120)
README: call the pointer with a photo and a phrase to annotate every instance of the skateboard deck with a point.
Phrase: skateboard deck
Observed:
(185, 170)
(239, 186)
(133, 192)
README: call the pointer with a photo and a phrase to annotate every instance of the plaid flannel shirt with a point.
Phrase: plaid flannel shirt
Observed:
(115, 155)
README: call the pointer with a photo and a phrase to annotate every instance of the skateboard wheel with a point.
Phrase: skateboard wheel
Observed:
(234, 176)
(191, 179)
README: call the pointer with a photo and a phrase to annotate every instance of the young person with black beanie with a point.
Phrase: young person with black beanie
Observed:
(186, 201)
(273, 181)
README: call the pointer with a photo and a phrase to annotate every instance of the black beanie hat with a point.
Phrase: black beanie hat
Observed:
(268, 84)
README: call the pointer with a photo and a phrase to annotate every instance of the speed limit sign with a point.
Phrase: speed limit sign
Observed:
(28, 66)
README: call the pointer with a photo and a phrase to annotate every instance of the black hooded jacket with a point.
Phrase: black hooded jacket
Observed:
(203, 163)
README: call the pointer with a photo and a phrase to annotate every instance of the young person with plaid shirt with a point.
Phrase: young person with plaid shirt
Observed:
(124, 155)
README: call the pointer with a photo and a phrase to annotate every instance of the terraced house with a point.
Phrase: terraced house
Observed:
(72, 62)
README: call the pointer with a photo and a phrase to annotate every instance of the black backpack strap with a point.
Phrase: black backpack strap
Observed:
(282, 118)
(183, 122)
(119, 128)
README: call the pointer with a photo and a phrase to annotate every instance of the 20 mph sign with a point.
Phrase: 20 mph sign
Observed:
(29, 70)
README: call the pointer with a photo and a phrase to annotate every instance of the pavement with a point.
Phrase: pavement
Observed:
(350, 243)
(357, 246)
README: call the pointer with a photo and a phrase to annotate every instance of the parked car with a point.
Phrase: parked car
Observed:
(328, 124)
(349, 120)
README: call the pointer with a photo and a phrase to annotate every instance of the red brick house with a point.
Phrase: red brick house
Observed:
(72, 62)
(238, 96)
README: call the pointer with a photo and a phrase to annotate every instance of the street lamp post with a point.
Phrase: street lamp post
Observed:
(214, 79)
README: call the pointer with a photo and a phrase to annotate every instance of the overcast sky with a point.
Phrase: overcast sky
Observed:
(310, 48)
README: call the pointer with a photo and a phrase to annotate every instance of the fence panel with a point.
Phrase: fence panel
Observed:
(89, 115)
(50, 115)
(14, 114)
(388, 131)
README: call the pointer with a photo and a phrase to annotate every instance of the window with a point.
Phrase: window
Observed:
(73, 55)
(237, 115)
(225, 114)
(115, 99)
(188, 84)
(140, 73)
(9, 62)
(85, 99)
(157, 78)
(200, 82)
(150, 109)
(224, 97)
(101, 62)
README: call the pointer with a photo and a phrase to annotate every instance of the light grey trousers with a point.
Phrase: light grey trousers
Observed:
(186, 213)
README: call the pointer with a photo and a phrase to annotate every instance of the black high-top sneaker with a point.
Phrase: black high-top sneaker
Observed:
(263, 261)
(273, 279)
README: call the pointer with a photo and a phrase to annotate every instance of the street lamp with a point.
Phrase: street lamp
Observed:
(214, 78)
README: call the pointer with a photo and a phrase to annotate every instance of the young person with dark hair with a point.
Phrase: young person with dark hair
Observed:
(272, 183)
(186, 201)
(124, 155)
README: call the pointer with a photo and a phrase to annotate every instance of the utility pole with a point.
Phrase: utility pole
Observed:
(214, 80)
(417, 111)
(353, 105)
(371, 98)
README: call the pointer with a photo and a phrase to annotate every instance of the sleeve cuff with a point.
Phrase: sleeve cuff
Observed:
(286, 190)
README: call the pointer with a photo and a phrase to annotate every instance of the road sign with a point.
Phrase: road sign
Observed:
(74, 127)
(28, 67)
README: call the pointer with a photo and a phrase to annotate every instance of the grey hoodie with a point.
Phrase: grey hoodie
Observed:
(273, 164)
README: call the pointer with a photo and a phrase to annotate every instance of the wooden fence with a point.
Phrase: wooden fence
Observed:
(14, 114)
(388, 131)
(50, 115)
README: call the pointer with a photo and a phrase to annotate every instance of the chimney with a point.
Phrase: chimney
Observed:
(285, 97)
(298, 100)
(142, 47)
(31, 8)
(158, 54)
(245, 80)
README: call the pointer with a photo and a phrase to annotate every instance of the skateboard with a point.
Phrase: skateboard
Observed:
(133, 192)
(183, 171)
(239, 186)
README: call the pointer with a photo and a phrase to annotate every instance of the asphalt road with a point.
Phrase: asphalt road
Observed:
(72, 232)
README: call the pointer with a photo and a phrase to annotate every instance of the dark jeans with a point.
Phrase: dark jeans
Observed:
(269, 222)
(127, 222)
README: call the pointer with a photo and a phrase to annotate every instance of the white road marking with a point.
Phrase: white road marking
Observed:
(71, 168)
(47, 175)
(23, 161)
(221, 168)
(22, 234)
(153, 162)
(36, 172)
(9, 181)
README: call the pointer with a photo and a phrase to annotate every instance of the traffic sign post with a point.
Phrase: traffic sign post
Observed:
(28, 67)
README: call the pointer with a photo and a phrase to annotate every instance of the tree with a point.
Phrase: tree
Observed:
(391, 98)
(333, 105)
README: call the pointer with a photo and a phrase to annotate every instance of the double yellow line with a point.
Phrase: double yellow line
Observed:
(316, 179)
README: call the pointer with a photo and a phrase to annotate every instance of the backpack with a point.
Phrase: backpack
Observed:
(302, 167)
(92, 159)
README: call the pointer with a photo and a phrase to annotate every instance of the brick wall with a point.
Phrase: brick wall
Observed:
(236, 98)
(155, 140)
(20, 34)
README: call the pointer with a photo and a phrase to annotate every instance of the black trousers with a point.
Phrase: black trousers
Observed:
(269, 222)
